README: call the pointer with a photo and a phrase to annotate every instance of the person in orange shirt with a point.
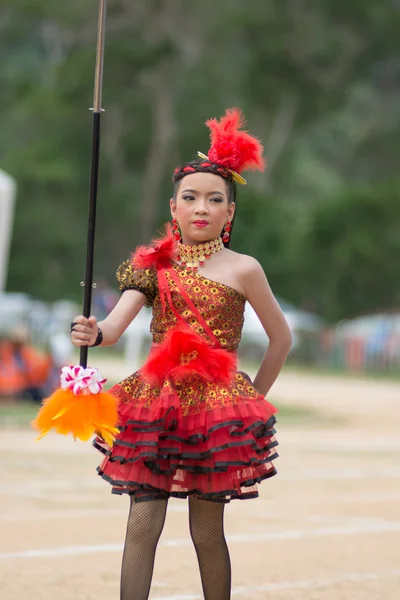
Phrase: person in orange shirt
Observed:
(23, 370)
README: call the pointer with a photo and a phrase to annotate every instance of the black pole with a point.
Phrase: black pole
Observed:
(87, 298)
(94, 175)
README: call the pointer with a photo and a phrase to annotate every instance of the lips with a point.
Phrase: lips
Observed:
(200, 223)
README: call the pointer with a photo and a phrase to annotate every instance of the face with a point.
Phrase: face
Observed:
(201, 207)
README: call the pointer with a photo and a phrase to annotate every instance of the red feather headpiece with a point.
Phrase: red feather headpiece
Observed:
(232, 148)
(159, 253)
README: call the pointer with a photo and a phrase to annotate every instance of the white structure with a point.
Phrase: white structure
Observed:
(8, 189)
(135, 336)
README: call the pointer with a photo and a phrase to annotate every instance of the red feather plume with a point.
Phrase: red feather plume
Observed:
(159, 253)
(184, 353)
(232, 148)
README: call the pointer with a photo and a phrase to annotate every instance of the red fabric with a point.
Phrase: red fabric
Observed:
(232, 148)
(192, 444)
(183, 353)
(192, 307)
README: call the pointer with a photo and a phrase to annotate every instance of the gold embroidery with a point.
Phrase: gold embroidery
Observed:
(225, 318)
(143, 280)
(185, 359)
(222, 308)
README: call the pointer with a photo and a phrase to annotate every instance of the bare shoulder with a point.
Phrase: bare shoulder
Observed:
(236, 270)
(246, 266)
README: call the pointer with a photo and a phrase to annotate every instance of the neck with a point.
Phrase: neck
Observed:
(187, 242)
(195, 255)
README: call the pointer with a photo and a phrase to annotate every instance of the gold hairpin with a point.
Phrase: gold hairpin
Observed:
(238, 178)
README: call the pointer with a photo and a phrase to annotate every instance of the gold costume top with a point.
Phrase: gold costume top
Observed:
(221, 306)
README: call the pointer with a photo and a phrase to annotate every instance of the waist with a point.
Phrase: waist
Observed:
(183, 353)
(227, 340)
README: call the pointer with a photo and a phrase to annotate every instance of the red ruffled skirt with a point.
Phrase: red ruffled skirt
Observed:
(215, 441)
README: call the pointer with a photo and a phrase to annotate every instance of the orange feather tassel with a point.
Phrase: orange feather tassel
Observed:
(81, 416)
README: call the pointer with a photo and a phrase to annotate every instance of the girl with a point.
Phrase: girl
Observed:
(191, 426)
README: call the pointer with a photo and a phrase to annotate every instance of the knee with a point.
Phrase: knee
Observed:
(142, 530)
(145, 523)
(206, 537)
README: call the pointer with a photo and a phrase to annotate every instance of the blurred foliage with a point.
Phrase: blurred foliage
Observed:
(319, 82)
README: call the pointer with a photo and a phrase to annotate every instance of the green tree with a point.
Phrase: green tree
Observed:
(348, 262)
(319, 86)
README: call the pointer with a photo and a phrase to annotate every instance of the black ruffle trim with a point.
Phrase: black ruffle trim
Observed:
(170, 453)
(148, 492)
(220, 467)
(151, 458)
(173, 453)
(261, 427)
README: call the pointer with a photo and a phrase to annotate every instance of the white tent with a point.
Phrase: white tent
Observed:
(8, 190)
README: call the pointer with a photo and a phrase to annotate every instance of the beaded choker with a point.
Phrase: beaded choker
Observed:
(193, 257)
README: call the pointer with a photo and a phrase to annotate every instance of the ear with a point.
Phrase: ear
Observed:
(231, 210)
(172, 204)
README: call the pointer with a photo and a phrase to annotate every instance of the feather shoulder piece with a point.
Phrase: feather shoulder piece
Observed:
(159, 253)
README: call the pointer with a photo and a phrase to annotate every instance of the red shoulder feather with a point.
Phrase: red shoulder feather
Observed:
(232, 148)
(159, 253)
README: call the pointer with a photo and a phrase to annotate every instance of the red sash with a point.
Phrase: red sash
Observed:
(183, 352)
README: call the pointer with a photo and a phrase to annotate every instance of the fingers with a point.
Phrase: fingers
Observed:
(84, 331)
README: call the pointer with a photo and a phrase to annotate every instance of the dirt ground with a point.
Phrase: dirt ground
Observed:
(326, 528)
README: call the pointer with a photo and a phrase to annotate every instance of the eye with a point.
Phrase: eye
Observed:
(188, 197)
(217, 199)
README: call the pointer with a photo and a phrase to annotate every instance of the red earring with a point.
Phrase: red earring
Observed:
(227, 228)
(175, 229)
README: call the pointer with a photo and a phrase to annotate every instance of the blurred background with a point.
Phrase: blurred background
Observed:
(320, 85)
(319, 82)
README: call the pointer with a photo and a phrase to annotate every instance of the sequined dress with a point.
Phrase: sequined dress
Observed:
(198, 426)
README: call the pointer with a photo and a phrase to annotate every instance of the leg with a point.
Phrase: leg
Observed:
(206, 521)
(145, 524)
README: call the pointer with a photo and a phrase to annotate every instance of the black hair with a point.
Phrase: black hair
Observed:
(204, 166)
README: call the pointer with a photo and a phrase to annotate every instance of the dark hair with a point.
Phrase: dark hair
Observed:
(204, 166)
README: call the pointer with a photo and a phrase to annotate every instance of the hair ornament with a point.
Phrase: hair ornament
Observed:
(232, 147)
(238, 178)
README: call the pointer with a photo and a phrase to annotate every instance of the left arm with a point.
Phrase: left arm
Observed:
(261, 298)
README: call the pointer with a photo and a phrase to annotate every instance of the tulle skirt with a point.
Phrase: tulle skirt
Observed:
(214, 441)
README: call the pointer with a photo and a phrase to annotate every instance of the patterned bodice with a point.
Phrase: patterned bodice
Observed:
(221, 306)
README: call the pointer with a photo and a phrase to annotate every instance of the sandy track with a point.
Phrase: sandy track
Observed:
(326, 528)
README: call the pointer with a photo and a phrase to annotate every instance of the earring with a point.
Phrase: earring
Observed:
(175, 229)
(227, 228)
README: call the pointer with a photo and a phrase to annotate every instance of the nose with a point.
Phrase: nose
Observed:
(201, 207)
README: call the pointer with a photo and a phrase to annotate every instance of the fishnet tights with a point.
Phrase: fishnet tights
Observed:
(206, 520)
(145, 524)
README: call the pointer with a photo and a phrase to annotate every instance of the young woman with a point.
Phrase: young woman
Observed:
(191, 425)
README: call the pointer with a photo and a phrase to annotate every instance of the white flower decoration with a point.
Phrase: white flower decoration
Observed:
(81, 381)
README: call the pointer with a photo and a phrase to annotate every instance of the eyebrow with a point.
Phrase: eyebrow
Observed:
(209, 193)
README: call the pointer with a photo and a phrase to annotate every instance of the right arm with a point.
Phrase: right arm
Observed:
(261, 298)
(113, 326)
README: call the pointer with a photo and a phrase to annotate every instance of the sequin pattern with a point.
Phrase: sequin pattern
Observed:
(142, 280)
(194, 393)
(222, 308)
